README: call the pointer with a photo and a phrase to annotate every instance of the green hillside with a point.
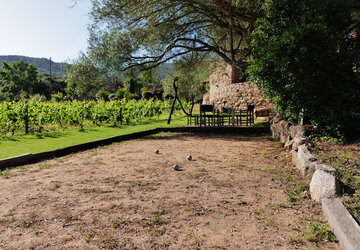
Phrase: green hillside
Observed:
(43, 64)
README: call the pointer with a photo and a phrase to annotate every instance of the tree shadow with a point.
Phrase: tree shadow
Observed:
(5, 138)
(49, 135)
(201, 136)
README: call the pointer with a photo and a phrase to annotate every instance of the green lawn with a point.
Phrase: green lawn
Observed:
(21, 144)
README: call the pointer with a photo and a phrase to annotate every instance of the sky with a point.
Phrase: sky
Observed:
(44, 28)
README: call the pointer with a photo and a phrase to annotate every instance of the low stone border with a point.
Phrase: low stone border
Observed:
(345, 227)
(324, 186)
(32, 158)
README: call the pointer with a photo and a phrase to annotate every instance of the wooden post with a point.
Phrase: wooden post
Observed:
(232, 116)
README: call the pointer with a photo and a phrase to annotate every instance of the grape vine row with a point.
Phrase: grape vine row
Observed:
(27, 116)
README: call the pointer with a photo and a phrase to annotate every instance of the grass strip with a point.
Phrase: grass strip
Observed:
(20, 144)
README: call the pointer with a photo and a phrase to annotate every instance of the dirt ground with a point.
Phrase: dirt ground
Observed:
(234, 194)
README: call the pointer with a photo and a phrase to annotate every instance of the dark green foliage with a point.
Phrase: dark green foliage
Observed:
(18, 80)
(103, 95)
(304, 56)
(21, 80)
(132, 83)
(147, 94)
(120, 93)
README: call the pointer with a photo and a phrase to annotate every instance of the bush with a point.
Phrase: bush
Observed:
(131, 96)
(58, 97)
(303, 59)
(38, 98)
(103, 95)
(120, 93)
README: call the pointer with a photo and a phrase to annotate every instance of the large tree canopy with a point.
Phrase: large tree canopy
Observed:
(147, 33)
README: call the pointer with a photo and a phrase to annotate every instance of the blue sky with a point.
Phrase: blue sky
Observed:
(44, 28)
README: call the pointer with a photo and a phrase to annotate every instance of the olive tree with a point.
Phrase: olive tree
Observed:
(147, 33)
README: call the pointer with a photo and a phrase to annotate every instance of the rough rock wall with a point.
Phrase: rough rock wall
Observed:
(224, 93)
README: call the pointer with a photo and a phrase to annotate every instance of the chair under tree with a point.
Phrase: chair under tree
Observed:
(207, 115)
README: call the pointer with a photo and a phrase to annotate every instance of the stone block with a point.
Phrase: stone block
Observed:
(305, 155)
(297, 131)
(284, 138)
(298, 141)
(346, 229)
(294, 157)
(307, 170)
(285, 131)
(295, 143)
(324, 185)
(288, 144)
(275, 131)
(325, 168)
(304, 161)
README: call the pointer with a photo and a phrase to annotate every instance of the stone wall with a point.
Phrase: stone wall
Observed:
(324, 186)
(322, 178)
(225, 93)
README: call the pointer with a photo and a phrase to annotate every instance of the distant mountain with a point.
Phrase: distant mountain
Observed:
(43, 64)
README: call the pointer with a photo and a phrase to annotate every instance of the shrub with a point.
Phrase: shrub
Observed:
(120, 93)
(103, 95)
(303, 59)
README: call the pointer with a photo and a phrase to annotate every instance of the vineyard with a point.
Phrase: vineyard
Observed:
(33, 116)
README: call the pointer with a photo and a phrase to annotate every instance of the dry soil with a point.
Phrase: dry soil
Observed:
(232, 195)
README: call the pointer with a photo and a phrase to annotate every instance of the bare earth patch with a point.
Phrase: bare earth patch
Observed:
(238, 192)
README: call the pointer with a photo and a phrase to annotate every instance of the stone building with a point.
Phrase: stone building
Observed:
(227, 90)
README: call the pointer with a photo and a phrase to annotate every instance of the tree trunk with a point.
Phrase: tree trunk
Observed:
(192, 105)
(175, 98)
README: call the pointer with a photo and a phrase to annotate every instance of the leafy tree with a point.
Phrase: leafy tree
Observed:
(16, 79)
(83, 78)
(42, 64)
(147, 33)
(148, 79)
(132, 83)
(53, 85)
(151, 86)
(304, 55)
(192, 72)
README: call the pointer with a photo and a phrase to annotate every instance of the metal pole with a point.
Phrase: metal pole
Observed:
(50, 68)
